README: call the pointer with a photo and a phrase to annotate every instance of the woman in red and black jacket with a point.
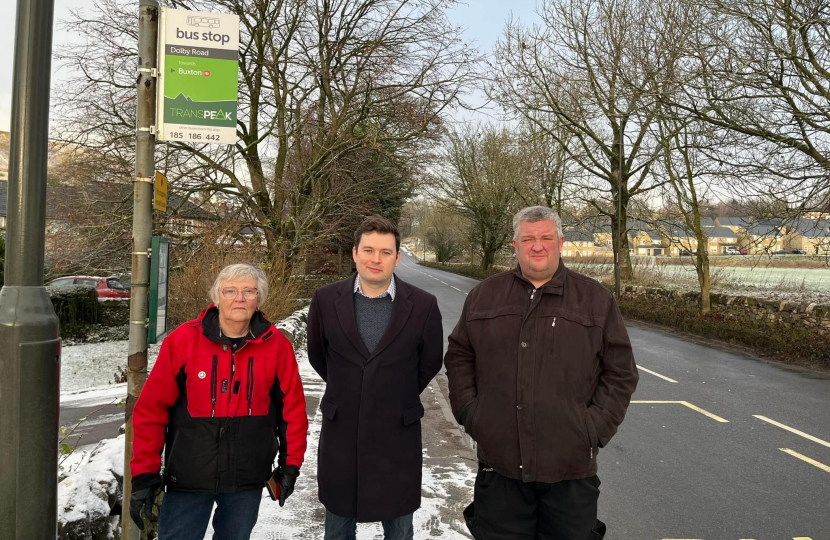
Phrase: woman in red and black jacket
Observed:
(223, 399)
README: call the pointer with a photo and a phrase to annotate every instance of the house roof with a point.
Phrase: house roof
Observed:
(719, 232)
(811, 228)
(763, 230)
(578, 235)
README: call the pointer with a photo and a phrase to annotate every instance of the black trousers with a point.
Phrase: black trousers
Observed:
(508, 509)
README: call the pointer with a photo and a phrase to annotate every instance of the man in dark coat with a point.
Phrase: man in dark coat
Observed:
(377, 342)
(541, 373)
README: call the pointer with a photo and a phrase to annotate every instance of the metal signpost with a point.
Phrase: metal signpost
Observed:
(159, 269)
(198, 66)
(29, 338)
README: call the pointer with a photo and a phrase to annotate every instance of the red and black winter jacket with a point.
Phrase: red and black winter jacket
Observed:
(220, 415)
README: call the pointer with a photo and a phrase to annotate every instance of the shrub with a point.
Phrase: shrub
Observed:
(76, 307)
(192, 274)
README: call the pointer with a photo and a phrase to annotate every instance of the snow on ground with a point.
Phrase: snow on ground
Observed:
(91, 488)
(93, 365)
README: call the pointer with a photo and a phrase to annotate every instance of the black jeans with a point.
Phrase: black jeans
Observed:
(508, 509)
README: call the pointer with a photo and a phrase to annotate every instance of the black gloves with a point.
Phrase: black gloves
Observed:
(143, 497)
(286, 477)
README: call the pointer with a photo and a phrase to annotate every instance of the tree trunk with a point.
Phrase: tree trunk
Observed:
(487, 259)
(704, 280)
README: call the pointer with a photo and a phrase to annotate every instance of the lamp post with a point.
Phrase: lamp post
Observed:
(29, 337)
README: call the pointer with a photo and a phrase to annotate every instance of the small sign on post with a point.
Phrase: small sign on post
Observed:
(160, 193)
(198, 86)
(159, 269)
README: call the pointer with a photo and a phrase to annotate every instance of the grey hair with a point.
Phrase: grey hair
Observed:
(532, 214)
(236, 272)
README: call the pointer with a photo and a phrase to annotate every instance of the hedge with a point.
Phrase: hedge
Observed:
(76, 307)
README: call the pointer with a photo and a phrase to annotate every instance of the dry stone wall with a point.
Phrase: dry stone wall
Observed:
(802, 314)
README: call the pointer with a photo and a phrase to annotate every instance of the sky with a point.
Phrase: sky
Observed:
(483, 21)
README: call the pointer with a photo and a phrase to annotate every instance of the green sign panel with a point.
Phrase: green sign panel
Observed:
(159, 270)
(198, 66)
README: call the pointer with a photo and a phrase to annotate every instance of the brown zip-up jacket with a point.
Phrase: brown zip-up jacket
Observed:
(541, 378)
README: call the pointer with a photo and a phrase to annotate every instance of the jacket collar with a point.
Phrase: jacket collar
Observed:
(554, 285)
(344, 305)
(260, 330)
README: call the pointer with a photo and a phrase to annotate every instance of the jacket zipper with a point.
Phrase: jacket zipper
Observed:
(213, 381)
(250, 382)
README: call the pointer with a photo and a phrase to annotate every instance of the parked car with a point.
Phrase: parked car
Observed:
(799, 252)
(106, 287)
(733, 251)
(686, 252)
(780, 252)
(743, 251)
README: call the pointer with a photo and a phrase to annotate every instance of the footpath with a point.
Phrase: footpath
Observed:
(447, 486)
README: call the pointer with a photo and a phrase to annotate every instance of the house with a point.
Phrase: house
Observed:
(762, 238)
(811, 235)
(644, 239)
(578, 243)
(719, 239)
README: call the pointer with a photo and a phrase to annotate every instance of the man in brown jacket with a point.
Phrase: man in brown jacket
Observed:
(541, 373)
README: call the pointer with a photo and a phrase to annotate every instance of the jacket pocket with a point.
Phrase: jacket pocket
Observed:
(591, 430)
(413, 414)
(329, 409)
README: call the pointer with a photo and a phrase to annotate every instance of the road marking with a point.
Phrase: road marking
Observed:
(793, 430)
(456, 288)
(655, 374)
(804, 458)
(445, 283)
(689, 405)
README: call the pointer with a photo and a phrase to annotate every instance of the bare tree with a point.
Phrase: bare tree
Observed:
(325, 88)
(482, 171)
(761, 69)
(591, 76)
(444, 231)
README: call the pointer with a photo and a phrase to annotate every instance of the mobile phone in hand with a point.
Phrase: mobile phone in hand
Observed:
(273, 488)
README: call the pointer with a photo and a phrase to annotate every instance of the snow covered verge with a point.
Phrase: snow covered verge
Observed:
(90, 485)
(89, 497)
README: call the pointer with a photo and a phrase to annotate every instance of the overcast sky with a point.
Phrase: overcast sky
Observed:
(483, 20)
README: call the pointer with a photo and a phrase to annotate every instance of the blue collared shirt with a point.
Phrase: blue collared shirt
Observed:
(390, 291)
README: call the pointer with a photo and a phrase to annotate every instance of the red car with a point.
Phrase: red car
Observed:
(106, 287)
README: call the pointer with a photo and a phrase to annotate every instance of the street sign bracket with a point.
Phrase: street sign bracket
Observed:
(148, 179)
(152, 71)
(151, 129)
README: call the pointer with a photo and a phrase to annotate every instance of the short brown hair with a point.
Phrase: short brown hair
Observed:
(378, 224)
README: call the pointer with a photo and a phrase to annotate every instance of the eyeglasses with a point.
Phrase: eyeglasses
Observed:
(247, 294)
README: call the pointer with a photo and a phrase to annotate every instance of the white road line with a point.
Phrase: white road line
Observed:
(456, 288)
(444, 282)
(641, 368)
(685, 404)
(793, 430)
(804, 458)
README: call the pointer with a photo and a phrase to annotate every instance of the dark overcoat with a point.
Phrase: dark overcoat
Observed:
(369, 458)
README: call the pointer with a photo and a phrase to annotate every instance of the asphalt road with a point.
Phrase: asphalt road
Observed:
(731, 448)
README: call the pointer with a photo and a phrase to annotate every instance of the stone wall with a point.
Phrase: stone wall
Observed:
(802, 314)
